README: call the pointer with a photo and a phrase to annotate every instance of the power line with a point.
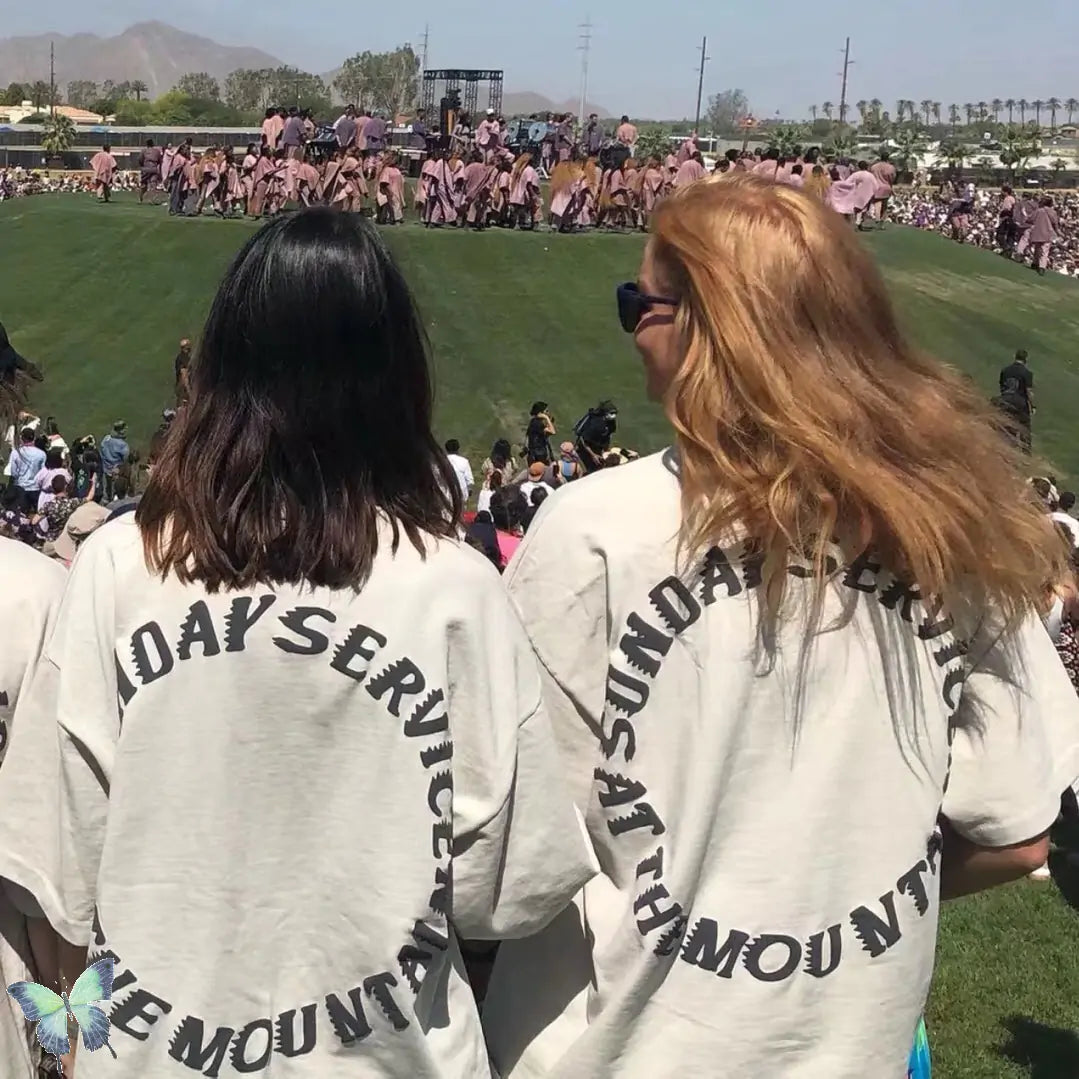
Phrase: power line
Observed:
(700, 82)
(584, 48)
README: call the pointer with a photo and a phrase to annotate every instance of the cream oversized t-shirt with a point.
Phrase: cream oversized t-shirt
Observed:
(766, 825)
(279, 808)
(30, 589)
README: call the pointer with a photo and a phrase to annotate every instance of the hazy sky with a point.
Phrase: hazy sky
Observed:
(784, 53)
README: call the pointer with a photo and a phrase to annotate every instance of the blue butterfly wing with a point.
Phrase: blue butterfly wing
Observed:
(35, 1000)
(93, 1023)
(52, 1033)
(94, 983)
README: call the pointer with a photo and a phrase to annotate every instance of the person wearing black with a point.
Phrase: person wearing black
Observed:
(11, 361)
(1016, 400)
(181, 367)
(538, 434)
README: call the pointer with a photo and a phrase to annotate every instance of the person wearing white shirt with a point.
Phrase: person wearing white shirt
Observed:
(1063, 517)
(461, 468)
(535, 480)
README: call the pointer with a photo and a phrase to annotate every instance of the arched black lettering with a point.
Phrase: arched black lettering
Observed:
(311, 642)
(954, 678)
(651, 866)
(441, 783)
(862, 573)
(441, 835)
(421, 723)
(412, 957)
(134, 1008)
(186, 1046)
(947, 652)
(285, 1032)
(609, 742)
(433, 755)
(675, 604)
(241, 618)
(350, 1025)
(198, 628)
(378, 988)
(401, 677)
(933, 849)
(753, 957)
(876, 934)
(238, 1056)
(440, 897)
(643, 816)
(652, 901)
(639, 641)
(899, 594)
(716, 570)
(353, 647)
(99, 934)
(620, 790)
(911, 883)
(814, 952)
(933, 626)
(671, 938)
(153, 657)
(631, 705)
(125, 688)
(701, 948)
(752, 566)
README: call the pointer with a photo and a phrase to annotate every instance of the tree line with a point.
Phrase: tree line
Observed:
(386, 81)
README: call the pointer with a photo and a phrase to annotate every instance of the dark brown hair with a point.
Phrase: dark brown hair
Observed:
(309, 422)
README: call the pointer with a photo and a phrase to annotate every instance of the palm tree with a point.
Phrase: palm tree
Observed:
(996, 105)
(138, 88)
(828, 108)
(1053, 104)
(1010, 106)
(861, 106)
(1038, 105)
(968, 108)
(983, 108)
(953, 116)
(875, 106)
(39, 94)
(58, 135)
(900, 110)
(813, 110)
(1023, 106)
(927, 110)
(937, 106)
(1071, 105)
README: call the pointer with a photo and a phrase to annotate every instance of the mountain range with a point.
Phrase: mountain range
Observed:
(158, 54)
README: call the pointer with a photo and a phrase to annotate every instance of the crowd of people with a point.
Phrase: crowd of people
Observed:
(1000, 221)
(283, 756)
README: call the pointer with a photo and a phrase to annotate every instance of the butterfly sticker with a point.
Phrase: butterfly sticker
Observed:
(51, 1011)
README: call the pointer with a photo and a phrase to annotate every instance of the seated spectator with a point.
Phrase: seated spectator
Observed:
(87, 518)
(535, 481)
(501, 460)
(536, 499)
(484, 537)
(507, 510)
(568, 465)
(52, 433)
(50, 522)
(54, 466)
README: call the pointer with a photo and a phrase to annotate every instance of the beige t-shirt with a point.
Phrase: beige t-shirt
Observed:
(766, 826)
(30, 589)
(279, 808)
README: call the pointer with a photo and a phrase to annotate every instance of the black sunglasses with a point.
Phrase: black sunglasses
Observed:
(633, 305)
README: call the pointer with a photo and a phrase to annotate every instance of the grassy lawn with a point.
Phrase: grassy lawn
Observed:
(101, 295)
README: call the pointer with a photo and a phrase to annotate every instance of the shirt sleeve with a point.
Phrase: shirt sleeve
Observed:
(519, 847)
(1016, 743)
(54, 785)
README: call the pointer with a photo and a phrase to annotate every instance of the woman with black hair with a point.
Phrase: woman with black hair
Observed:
(302, 744)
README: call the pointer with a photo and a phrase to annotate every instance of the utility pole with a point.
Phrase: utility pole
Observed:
(843, 89)
(584, 48)
(700, 84)
(426, 41)
(52, 79)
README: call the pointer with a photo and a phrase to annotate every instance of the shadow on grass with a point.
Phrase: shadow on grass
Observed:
(1049, 1052)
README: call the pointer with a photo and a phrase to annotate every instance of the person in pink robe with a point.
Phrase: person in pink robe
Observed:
(233, 194)
(687, 149)
(1044, 231)
(885, 174)
(390, 196)
(690, 171)
(498, 212)
(209, 179)
(652, 182)
(439, 208)
(617, 196)
(103, 165)
(633, 176)
(423, 185)
(524, 191)
(272, 129)
(247, 173)
(851, 197)
(167, 156)
(477, 179)
(457, 172)
(260, 182)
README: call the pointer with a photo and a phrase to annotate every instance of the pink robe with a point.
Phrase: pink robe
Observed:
(885, 174)
(104, 167)
(272, 128)
(167, 158)
(524, 186)
(853, 194)
(247, 174)
(651, 189)
(477, 188)
(423, 185)
(616, 187)
(234, 187)
(689, 172)
(391, 191)
(440, 206)
(686, 151)
(360, 141)
(1043, 228)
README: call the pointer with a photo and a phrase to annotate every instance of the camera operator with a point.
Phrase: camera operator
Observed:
(594, 431)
